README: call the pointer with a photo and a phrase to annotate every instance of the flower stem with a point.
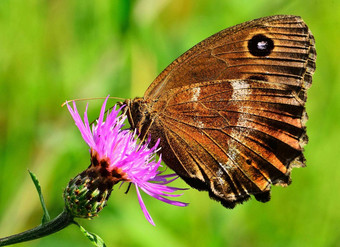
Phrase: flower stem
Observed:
(58, 223)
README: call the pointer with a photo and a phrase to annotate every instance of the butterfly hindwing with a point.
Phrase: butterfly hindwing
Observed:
(235, 136)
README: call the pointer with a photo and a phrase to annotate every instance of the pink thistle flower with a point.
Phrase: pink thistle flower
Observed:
(117, 156)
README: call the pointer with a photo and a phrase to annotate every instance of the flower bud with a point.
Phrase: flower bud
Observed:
(86, 194)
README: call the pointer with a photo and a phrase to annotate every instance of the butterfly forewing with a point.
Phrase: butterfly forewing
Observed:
(230, 112)
(230, 54)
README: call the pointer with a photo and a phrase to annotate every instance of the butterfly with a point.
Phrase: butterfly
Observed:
(230, 112)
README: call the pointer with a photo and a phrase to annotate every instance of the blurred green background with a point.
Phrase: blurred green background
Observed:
(55, 50)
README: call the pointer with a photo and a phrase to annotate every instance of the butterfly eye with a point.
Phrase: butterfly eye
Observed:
(260, 45)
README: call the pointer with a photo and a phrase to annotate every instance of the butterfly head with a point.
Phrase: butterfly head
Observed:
(137, 113)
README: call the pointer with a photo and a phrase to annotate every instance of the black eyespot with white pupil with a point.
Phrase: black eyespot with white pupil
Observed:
(260, 45)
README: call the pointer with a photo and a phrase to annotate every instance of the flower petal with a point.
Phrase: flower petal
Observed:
(142, 205)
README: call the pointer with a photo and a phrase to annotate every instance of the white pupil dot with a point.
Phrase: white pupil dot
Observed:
(262, 45)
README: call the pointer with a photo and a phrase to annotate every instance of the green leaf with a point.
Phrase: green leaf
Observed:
(46, 216)
(94, 238)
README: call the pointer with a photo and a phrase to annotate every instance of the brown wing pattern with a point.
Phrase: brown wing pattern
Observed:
(236, 136)
(226, 55)
(230, 111)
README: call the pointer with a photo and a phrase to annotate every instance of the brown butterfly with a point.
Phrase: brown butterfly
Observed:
(230, 112)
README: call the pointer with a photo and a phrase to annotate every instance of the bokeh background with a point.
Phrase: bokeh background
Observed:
(55, 50)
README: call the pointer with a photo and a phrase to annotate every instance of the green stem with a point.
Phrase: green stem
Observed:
(58, 223)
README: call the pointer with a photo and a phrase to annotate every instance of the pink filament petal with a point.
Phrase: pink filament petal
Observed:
(142, 205)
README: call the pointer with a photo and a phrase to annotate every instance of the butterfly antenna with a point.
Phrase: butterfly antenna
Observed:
(87, 99)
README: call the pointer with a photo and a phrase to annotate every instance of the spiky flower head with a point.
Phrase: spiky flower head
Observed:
(116, 156)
